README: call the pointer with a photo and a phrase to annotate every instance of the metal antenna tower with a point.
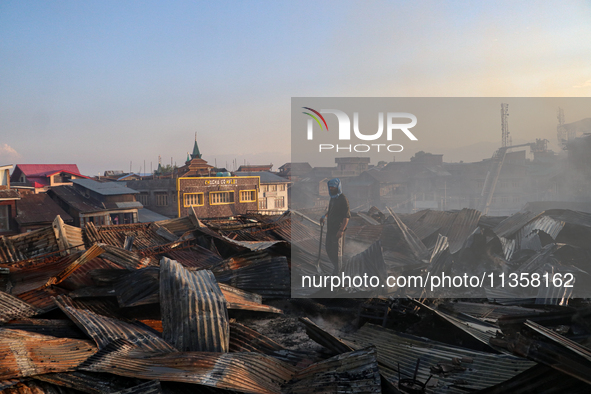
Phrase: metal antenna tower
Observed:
(561, 130)
(505, 125)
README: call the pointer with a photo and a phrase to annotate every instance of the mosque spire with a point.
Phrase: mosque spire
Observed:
(196, 154)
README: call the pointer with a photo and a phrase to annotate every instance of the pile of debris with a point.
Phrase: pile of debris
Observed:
(185, 306)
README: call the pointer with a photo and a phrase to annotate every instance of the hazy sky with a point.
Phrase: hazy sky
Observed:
(103, 83)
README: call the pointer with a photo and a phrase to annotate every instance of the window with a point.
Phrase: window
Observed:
(161, 199)
(263, 203)
(280, 202)
(217, 198)
(248, 195)
(272, 188)
(281, 188)
(143, 198)
(193, 199)
(4, 218)
(263, 188)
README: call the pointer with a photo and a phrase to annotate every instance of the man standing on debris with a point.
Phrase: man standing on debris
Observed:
(337, 217)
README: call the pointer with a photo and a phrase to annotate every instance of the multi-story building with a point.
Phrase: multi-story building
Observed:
(273, 196)
(217, 197)
(40, 177)
(102, 203)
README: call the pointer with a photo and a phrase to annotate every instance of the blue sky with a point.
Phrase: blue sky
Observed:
(103, 83)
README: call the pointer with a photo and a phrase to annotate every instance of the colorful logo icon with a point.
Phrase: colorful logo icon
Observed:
(315, 118)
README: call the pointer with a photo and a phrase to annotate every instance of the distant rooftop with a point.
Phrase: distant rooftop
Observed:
(104, 188)
(47, 169)
(266, 177)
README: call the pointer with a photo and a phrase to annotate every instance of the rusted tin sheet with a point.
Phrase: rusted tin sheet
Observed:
(31, 275)
(145, 235)
(194, 310)
(539, 379)
(324, 338)
(27, 245)
(152, 387)
(266, 275)
(556, 351)
(91, 253)
(104, 330)
(37, 387)
(25, 354)
(463, 225)
(89, 382)
(53, 327)
(41, 298)
(240, 299)
(244, 339)
(511, 225)
(353, 372)
(14, 308)
(474, 370)
(243, 372)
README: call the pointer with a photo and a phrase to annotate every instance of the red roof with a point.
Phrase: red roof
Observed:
(47, 169)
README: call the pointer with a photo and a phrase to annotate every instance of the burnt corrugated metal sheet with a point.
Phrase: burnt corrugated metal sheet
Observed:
(556, 351)
(128, 259)
(42, 298)
(89, 382)
(139, 287)
(539, 379)
(478, 329)
(477, 370)
(196, 257)
(142, 287)
(353, 372)
(489, 312)
(542, 223)
(508, 227)
(152, 387)
(25, 354)
(26, 276)
(240, 299)
(418, 249)
(509, 246)
(571, 217)
(91, 253)
(145, 235)
(37, 387)
(4, 384)
(370, 262)
(14, 308)
(178, 226)
(243, 372)
(104, 330)
(324, 338)
(266, 275)
(27, 245)
(254, 246)
(193, 308)
(463, 225)
(244, 339)
(52, 327)
(441, 245)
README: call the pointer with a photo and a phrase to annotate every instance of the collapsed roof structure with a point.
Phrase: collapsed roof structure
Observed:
(188, 305)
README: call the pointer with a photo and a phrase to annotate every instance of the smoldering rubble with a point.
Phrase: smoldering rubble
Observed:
(188, 305)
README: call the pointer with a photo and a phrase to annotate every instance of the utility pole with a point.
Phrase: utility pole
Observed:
(506, 140)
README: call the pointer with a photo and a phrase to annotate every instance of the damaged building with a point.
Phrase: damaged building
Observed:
(207, 305)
